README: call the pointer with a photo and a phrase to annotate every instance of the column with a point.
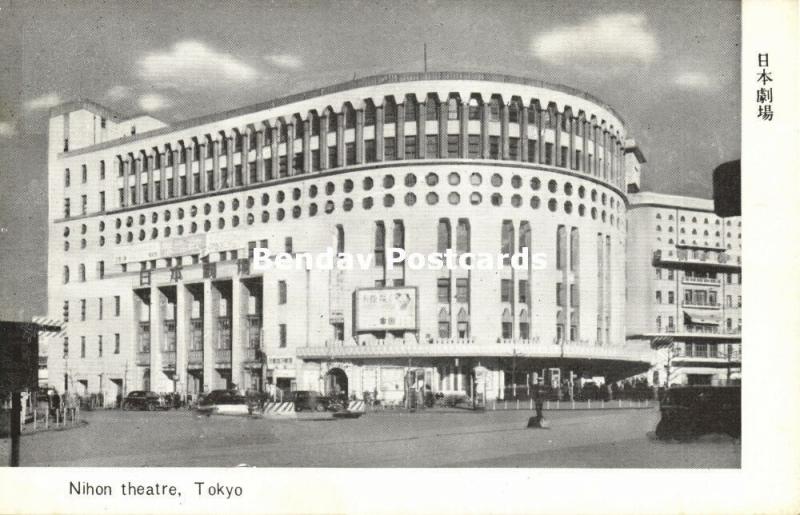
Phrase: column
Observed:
(359, 135)
(176, 166)
(208, 337)
(229, 163)
(585, 128)
(504, 150)
(572, 128)
(340, 153)
(464, 125)
(596, 152)
(275, 142)
(182, 314)
(260, 155)
(523, 134)
(245, 157)
(158, 382)
(485, 114)
(216, 177)
(188, 173)
(379, 121)
(400, 131)
(444, 122)
(237, 345)
(151, 178)
(306, 146)
(201, 170)
(557, 145)
(137, 167)
(322, 143)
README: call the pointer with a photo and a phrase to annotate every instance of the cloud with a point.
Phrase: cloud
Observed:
(615, 38)
(153, 102)
(43, 102)
(695, 81)
(193, 65)
(7, 130)
(119, 92)
(284, 61)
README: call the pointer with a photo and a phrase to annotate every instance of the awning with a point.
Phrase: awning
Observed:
(704, 319)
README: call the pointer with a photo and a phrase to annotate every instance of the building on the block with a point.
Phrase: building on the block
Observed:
(685, 288)
(152, 228)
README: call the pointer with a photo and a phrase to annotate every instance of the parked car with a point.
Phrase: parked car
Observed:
(689, 411)
(223, 401)
(139, 399)
(305, 400)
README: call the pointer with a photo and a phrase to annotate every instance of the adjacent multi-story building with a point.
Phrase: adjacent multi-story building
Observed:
(684, 288)
(152, 228)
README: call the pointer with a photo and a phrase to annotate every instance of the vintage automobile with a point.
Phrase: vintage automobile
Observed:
(223, 402)
(140, 399)
(690, 411)
(305, 400)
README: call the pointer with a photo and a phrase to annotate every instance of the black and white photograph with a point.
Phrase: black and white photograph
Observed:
(370, 235)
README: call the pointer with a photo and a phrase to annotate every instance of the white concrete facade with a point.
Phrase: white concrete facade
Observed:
(151, 261)
(684, 287)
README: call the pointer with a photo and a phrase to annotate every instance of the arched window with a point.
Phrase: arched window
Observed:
(443, 235)
(398, 235)
(463, 323)
(369, 113)
(524, 325)
(66, 274)
(444, 323)
(349, 116)
(339, 239)
(507, 240)
(333, 121)
(453, 112)
(411, 108)
(389, 110)
(513, 111)
(431, 108)
(506, 325)
(462, 236)
(474, 109)
(380, 243)
(494, 108)
(524, 236)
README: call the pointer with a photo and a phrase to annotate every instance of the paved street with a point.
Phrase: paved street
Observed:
(612, 438)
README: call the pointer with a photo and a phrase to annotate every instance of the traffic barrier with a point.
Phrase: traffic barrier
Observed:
(231, 409)
(356, 406)
(280, 409)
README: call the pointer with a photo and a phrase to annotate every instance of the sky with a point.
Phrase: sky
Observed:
(671, 69)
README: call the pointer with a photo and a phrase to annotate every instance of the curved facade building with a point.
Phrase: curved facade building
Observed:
(152, 228)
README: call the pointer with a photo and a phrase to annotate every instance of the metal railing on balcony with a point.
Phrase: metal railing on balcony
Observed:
(714, 259)
(701, 304)
(688, 279)
(222, 356)
(168, 359)
(196, 358)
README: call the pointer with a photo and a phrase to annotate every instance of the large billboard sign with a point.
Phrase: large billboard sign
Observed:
(385, 309)
(19, 356)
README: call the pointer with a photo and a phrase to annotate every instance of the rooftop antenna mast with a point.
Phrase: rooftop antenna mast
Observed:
(425, 56)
